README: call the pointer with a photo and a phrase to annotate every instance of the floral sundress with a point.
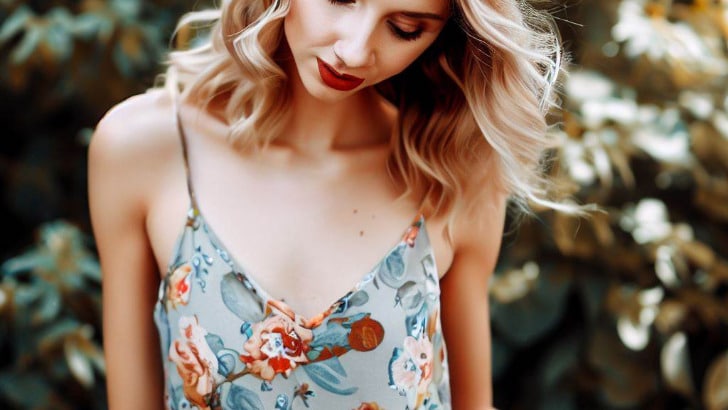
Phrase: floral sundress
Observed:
(226, 344)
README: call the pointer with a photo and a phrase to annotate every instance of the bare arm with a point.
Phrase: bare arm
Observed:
(117, 194)
(466, 319)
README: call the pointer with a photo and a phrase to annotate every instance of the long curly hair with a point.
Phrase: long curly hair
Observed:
(477, 97)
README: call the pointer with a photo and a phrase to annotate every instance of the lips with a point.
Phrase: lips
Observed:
(335, 79)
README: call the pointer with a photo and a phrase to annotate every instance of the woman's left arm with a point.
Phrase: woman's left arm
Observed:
(465, 314)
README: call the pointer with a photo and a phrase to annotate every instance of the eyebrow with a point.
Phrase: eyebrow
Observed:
(418, 15)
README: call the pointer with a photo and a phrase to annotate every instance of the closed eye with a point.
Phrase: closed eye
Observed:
(399, 32)
(405, 34)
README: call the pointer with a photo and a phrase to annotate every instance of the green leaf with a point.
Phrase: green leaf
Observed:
(49, 306)
(90, 25)
(239, 299)
(27, 295)
(27, 390)
(15, 23)
(226, 361)
(26, 262)
(79, 364)
(59, 40)
(128, 10)
(241, 398)
(391, 270)
(61, 16)
(33, 36)
(59, 330)
(90, 268)
(330, 375)
(215, 342)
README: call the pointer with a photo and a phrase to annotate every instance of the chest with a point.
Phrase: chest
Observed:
(305, 238)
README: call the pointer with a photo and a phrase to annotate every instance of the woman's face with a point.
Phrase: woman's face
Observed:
(342, 46)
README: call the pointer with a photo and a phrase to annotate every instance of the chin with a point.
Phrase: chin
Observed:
(322, 92)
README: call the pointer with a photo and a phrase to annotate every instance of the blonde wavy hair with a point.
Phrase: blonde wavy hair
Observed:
(480, 93)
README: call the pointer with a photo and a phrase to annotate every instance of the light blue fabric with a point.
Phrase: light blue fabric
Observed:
(227, 344)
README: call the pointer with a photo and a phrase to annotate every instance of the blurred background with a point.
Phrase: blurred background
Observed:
(625, 310)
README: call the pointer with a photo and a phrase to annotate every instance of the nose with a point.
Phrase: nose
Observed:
(355, 48)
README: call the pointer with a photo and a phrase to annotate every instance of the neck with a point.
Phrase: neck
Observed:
(362, 120)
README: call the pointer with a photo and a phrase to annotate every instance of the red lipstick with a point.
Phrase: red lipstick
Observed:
(335, 79)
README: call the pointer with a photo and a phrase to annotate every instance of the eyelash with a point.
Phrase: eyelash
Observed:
(405, 35)
(398, 32)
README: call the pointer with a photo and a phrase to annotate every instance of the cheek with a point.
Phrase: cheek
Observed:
(397, 60)
(292, 22)
(307, 21)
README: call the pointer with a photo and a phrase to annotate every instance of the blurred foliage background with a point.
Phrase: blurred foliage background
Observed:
(625, 310)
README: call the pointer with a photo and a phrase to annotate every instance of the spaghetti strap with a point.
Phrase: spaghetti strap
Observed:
(194, 210)
(424, 210)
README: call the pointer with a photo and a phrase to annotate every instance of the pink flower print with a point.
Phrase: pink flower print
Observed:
(196, 363)
(410, 369)
(178, 286)
(421, 352)
(277, 345)
(402, 372)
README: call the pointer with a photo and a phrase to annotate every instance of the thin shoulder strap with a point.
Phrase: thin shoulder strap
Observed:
(424, 210)
(188, 174)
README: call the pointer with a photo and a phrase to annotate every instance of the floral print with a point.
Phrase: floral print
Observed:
(237, 348)
(304, 393)
(178, 291)
(366, 334)
(410, 370)
(410, 235)
(277, 345)
(283, 341)
(196, 364)
(368, 406)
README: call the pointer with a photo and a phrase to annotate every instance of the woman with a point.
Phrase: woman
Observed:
(308, 134)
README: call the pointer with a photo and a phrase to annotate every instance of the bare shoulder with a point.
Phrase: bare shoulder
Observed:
(478, 228)
(133, 141)
(136, 125)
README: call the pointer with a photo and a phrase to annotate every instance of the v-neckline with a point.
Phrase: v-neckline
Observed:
(261, 292)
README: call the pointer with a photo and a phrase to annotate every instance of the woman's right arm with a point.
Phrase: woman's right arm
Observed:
(119, 185)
